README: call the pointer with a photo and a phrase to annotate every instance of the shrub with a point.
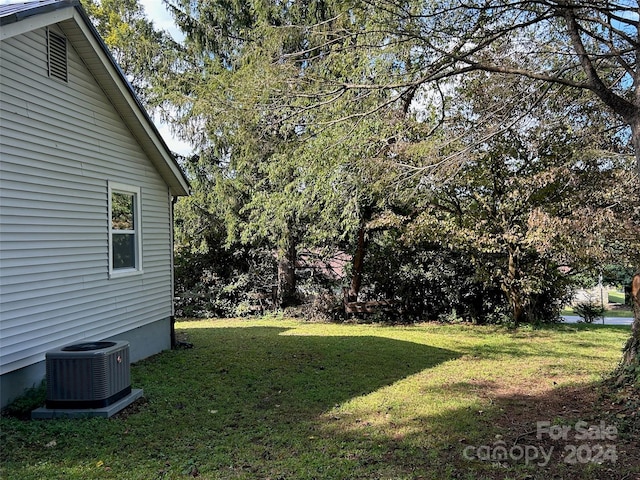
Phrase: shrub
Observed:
(218, 282)
(589, 311)
(430, 282)
(433, 282)
(324, 306)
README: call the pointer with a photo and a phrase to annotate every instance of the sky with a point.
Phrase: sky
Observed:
(156, 12)
(161, 18)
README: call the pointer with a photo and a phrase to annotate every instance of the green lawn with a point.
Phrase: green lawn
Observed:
(282, 399)
(616, 297)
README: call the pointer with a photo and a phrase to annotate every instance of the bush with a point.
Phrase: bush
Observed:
(218, 282)
(324, 307)
(589, 311)
(429, 283)
(433, 282)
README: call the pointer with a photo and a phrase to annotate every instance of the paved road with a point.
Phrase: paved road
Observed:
(607, 321)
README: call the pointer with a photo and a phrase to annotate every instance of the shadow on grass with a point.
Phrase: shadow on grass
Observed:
(259, 395)
(236, 369)
(242, 403)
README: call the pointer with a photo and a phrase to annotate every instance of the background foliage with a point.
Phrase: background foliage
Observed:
(460, 186)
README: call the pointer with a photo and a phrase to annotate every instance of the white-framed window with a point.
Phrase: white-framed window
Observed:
(125, 236)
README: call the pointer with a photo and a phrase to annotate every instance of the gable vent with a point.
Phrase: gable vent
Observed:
(57, 53)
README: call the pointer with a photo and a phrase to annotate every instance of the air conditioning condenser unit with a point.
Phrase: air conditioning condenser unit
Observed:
(88, 375)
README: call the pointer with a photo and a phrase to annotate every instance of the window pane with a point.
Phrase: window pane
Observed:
(124, 250)
(122, 208)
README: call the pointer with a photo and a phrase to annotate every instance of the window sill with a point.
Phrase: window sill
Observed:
(125, 272)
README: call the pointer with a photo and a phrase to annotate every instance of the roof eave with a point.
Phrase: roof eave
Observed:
(141, 119)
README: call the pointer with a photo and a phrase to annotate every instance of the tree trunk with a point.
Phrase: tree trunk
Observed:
(635, 136)
(358, 264)
(512, 290)
(287, 294)
(632, 349)
(517, 307)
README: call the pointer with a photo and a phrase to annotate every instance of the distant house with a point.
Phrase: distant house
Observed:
(86, 192)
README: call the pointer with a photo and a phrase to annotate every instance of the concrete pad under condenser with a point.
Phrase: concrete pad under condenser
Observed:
(44, 413)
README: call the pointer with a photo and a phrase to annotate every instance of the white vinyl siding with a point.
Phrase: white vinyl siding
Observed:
(61, 144)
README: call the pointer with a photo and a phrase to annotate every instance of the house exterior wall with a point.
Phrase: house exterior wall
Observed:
(60, 146)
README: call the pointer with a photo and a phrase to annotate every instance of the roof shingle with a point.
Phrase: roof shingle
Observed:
(17, 11)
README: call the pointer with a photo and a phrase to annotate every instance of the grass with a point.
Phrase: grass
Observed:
(616, 297)
(283, 399)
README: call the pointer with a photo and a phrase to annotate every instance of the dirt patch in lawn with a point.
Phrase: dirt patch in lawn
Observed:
(568, 432)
